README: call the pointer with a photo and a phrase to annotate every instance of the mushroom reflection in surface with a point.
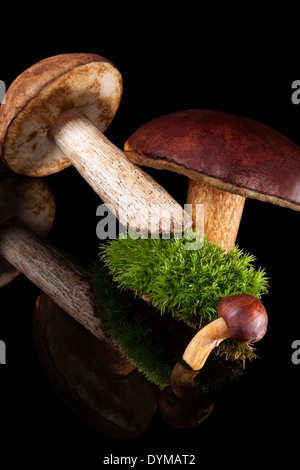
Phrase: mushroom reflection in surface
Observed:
(27, 213)
(226, 158)
(78, 367)
(32, 202)
(81, 361)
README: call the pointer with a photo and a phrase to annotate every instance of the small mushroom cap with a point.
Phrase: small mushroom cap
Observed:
(44, 91)
(32, 202)
(245, 316)
(227, 151)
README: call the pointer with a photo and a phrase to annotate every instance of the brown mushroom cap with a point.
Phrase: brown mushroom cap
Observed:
(245, 316)
(223, 150)
(78, 367)
(37, 98)
(32, 202)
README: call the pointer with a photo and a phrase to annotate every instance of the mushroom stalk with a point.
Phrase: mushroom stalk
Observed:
(38, 106)
(222, 212)
(64, 279)
(242, 317)
(133, 196)
(182, 381)
(204, 342)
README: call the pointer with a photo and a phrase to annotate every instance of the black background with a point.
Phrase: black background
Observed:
(168, 63)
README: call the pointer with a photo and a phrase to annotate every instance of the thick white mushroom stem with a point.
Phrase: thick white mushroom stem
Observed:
(63, 278)
(131, 194)
(222, 213)
(199, 348)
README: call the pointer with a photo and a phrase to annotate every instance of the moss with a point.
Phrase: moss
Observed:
(180, 283)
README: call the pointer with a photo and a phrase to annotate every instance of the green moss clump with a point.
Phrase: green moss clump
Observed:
(186, 284)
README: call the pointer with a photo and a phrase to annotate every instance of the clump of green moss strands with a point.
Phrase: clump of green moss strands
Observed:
(179, 283)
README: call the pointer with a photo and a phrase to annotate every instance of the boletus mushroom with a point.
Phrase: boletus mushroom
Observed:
(243, 318)
(55, 114)
(227, 158)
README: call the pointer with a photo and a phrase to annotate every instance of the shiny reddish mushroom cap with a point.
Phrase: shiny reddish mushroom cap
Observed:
(229, 152)
(38, 96)
(245, 316)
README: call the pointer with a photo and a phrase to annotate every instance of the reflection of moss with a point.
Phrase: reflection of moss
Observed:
(138, 334)
(184, 283)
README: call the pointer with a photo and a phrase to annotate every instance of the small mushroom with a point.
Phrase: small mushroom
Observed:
(242, 317)
(226, 158)
(72, 358)
(184, 413)
(55, 115)
(27, 210)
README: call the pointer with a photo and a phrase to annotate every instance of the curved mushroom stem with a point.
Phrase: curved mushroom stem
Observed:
(204, 342)
(132, 195)
(194, 358)
(63, 278)
(241, 316)
(182, 381)
(181, 404)
(222, 212)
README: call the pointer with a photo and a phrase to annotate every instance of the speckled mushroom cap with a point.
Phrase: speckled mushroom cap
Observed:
(32, 202)
(37, 98)
(227, 151)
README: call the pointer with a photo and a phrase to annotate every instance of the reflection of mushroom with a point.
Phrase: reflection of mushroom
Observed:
(32, 202)
(54, 116)
(243, 318)
(72, 358)
(226, 158)
(27, 212)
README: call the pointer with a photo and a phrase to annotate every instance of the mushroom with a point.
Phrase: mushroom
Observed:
(55, 115)
(72, 359)
(243, 318)
(226, 158)
(27, 210)
(31, 201)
